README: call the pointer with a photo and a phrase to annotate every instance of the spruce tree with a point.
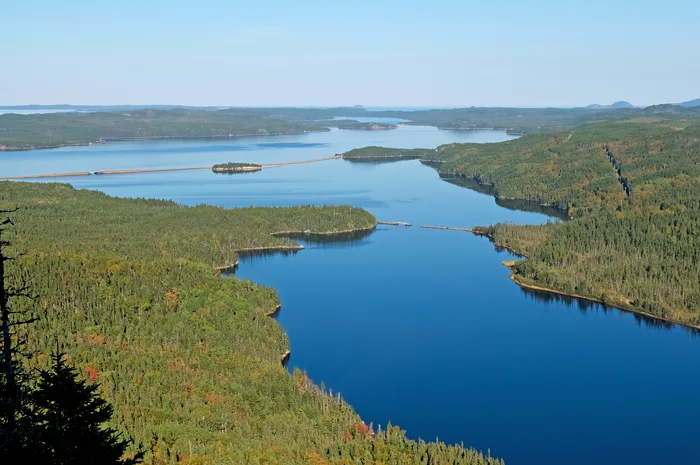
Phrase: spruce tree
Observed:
(60, 420)
(15, 417)
(70, 420)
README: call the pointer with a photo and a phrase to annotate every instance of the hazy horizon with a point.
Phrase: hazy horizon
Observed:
(404, 107)
(447, 54)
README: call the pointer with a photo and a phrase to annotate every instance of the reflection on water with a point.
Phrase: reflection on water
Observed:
(328, 239)
(510, 204)
(261, 255)
(236, 172)
(586, 306)
(473, 184)
(532, 206)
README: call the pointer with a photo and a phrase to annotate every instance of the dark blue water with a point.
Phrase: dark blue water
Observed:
(423, 327)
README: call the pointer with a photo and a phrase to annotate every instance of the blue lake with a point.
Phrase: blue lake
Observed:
(421, 327)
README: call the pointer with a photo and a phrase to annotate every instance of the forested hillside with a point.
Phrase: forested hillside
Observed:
(23, 132)
(189, 359)
(633, 192)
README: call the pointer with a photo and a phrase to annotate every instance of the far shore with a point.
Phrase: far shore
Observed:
(105, 140)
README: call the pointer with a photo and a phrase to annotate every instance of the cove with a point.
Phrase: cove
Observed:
(423, 327)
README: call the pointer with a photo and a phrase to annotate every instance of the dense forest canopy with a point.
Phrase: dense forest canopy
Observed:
(189, 360)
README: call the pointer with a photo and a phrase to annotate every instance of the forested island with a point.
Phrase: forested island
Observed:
(190, 361)
(374, 153)
(358, 125)
(232, 167)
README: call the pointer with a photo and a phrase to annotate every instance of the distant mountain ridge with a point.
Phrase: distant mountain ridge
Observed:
(690, 103)
(618, 104)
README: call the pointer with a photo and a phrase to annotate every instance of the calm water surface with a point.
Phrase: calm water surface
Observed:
(423, 327)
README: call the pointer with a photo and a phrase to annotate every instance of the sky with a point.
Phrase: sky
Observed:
(435, 53)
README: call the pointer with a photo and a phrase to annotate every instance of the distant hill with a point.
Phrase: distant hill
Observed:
(622, 104)
(618, 104)
(690, 103)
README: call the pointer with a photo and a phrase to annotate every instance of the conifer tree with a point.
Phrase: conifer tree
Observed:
(15, 423)
(70, 420)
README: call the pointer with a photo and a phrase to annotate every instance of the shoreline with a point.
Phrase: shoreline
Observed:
(275, 311)
(326, 233)
(106, 140)
(280, 248)
(476, 232)
(491, 190)
(533, 287)
(222, 269)
(491, 239)
(513, 277)
(239, 169)
(286, 248)
(362, 158)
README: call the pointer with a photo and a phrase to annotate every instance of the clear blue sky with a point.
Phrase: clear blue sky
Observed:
(373, 53)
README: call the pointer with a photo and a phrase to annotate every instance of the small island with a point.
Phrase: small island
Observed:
(353, 125)
(232, 167)
(375, 154)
